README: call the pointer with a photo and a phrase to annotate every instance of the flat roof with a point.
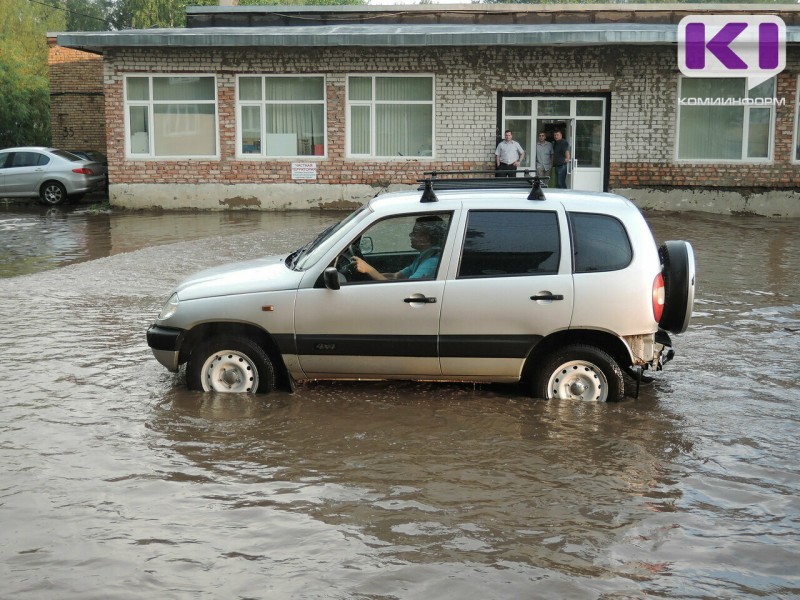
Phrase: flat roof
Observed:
(585, 34)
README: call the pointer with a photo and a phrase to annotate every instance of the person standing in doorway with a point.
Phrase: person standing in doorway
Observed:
(544, 155)
(561, 158)
(508, 156)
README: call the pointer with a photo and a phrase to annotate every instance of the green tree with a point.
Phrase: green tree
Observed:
(172, 13)
(87, 15)
(24, 88)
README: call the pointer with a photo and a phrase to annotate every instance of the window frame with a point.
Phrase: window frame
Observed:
(461, 251)
(745, 130)
(451, 219)
(573, 236)
(263, 103)
(795, 150)
(373, 102)
(150, 103)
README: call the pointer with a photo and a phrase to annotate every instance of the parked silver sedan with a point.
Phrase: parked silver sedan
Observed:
(54, 176)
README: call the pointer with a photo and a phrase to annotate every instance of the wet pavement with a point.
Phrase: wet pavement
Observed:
(117, 482)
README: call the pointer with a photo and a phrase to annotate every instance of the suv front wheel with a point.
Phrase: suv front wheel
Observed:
(579, 372)
(230, 364)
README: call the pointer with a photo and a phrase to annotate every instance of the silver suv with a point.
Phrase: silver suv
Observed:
(472, 280)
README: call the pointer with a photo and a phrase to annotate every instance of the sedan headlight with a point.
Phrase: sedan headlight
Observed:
(169, 309)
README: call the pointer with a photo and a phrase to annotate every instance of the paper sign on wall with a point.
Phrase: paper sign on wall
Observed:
(304, 170)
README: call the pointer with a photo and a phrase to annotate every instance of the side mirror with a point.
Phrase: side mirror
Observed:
(365, 245)
(331, 278)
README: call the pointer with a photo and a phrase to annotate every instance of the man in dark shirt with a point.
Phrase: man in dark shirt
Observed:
(561, 158)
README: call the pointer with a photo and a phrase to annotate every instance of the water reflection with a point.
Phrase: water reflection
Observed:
(432, 473)
(40, 238)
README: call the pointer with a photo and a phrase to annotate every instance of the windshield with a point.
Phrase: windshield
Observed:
(308, 255)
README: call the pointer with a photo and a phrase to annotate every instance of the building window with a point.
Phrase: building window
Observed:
(390, 116)
(720, 119)
(171, 115)
(796, 154)
(281, 116)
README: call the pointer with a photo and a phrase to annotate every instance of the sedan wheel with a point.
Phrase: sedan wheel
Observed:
(230, 365)
(580, 372)
(53, 193)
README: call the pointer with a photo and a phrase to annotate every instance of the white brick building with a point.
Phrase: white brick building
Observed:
(298, 107)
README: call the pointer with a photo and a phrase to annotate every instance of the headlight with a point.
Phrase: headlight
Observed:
(169, 308)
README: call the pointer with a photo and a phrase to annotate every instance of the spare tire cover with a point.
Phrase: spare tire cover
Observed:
(678, 270)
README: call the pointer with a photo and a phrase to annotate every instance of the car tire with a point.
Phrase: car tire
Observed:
(678, 271)
(53, 193)
(230, 364)
(579, 372)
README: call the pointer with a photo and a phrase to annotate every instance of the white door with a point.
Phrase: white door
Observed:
(379, 327)
(587, 142)
(582, 122)
(513, 286)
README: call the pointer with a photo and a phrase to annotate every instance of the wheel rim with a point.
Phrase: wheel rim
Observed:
(229, 371)
(578, 380)
(52, 194)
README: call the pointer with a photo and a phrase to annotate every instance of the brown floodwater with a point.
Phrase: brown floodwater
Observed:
(118, 482)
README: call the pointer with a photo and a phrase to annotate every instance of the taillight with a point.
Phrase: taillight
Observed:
(659, 295)
(83, 171)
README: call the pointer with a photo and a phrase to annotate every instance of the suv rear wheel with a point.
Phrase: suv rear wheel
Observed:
(230, 364)
(579, 372)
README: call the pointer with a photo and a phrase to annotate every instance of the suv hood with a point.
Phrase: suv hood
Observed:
(260, 275)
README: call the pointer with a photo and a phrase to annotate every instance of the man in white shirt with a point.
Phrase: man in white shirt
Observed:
(508, 156)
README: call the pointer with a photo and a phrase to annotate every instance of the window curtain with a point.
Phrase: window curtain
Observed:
(304, 121)
(403, 129)
(711, 132)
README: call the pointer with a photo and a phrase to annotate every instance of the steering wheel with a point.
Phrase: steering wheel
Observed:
(347, 266)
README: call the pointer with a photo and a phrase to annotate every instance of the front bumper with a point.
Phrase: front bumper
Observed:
(165, 342)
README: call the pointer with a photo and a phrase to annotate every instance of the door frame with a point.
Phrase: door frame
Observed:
(500, 124)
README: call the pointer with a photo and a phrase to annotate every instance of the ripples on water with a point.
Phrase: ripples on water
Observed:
(119, 483)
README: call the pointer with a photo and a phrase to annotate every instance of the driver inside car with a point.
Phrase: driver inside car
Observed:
(426, 238)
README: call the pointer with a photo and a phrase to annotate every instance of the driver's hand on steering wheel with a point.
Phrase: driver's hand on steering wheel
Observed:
(363, 266)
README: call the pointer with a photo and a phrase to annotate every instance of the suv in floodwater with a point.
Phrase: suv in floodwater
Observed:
(472, 280)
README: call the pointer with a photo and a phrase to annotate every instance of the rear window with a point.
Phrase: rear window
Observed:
(599, 242)
(510, 243)
(67, 155)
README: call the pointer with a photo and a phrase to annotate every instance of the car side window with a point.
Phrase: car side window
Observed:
(599, 242)
(28, 159)
(3, 159)
(396, 248)
(510, 243)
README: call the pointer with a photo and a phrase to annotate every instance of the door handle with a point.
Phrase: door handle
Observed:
(420, 299)
(547, 296)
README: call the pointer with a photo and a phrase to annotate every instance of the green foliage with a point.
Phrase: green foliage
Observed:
(24, 88)
(86, 15)
(172, 13)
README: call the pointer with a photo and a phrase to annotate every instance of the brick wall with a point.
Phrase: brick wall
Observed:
(642, 83)
(77, 103)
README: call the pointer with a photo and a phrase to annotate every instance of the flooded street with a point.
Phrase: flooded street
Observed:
(119, 483)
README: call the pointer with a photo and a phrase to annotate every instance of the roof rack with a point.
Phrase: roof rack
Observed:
(480, 180)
